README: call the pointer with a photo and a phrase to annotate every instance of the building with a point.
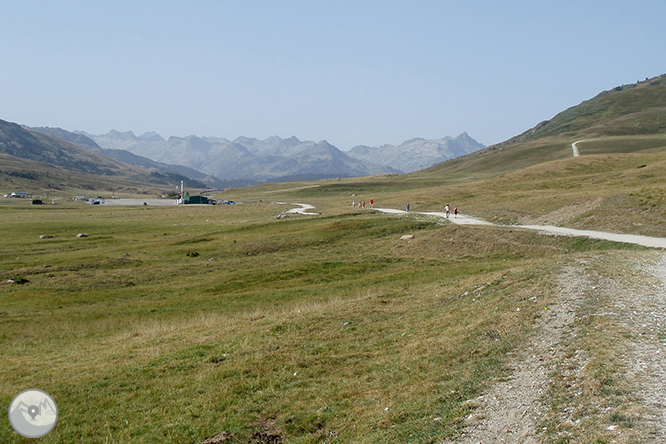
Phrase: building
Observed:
(202, 200)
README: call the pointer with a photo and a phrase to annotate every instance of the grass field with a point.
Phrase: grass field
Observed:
(174, 324)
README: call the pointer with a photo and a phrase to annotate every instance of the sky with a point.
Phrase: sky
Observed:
(350, 72)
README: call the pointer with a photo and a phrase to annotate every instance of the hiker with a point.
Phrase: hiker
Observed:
(353, 204)
(364, 205)
(407, 206)
(372, 203)
(448, 210)
(455, 212)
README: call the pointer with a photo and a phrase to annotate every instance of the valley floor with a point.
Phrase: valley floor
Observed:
(360, 327)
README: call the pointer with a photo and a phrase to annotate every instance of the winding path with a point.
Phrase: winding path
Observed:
(303, 210)
(646, 241)
(574, 148)
(635, 239)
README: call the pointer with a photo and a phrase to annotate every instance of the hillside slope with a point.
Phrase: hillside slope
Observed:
(129, 158)
(36, 162)
(33, 145)
(636, 109)
(618, 184)
(630, 118)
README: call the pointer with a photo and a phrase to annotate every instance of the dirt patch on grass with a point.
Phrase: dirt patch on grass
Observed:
(510, 409)
(567, 214)
(220, 438)
(266, 432)
(645, 317)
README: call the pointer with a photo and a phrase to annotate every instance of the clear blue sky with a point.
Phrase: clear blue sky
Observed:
(351, 72)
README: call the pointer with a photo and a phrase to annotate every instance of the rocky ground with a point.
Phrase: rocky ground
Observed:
(595, 370)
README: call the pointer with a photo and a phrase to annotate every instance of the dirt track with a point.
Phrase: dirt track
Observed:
(515, 411)
(522, 409)
(646, 241)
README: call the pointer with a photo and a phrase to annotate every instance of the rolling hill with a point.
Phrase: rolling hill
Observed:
(36, 161)
(617, 184)
(129, 158)
(635, 109)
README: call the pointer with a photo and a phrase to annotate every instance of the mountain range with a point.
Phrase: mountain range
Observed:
(276, 158)
(127, 157)
(416, 154)
(217, 162)
(56, 159)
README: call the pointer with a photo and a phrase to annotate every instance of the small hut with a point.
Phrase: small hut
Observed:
(196, 199)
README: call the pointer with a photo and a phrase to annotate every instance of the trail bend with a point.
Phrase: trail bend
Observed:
(646, 241)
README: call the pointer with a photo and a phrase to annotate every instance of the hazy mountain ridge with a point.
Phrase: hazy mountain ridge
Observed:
(417, 153)
(121, 155)
(275, 157)
(28, 150)
(244, 157)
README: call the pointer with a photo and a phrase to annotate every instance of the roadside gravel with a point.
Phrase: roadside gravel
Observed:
(595, 296)
(511, 410)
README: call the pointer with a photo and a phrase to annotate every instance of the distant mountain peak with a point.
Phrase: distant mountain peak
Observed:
(417, 153)
(126, 135)
(415, 139)
(152, 136)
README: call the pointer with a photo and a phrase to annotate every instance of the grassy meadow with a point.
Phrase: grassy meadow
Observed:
(174, 324)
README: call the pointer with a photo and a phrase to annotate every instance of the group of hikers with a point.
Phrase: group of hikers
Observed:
(362, 204)
(447, 208)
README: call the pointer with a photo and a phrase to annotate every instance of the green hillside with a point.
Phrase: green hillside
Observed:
(617, 184)
(32, 145)
(534, 177)
(40, 163)
(636, 109)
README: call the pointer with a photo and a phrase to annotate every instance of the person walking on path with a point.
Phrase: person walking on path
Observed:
(407, 206)
(455, 212)
(372, 203)
(447, 208)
